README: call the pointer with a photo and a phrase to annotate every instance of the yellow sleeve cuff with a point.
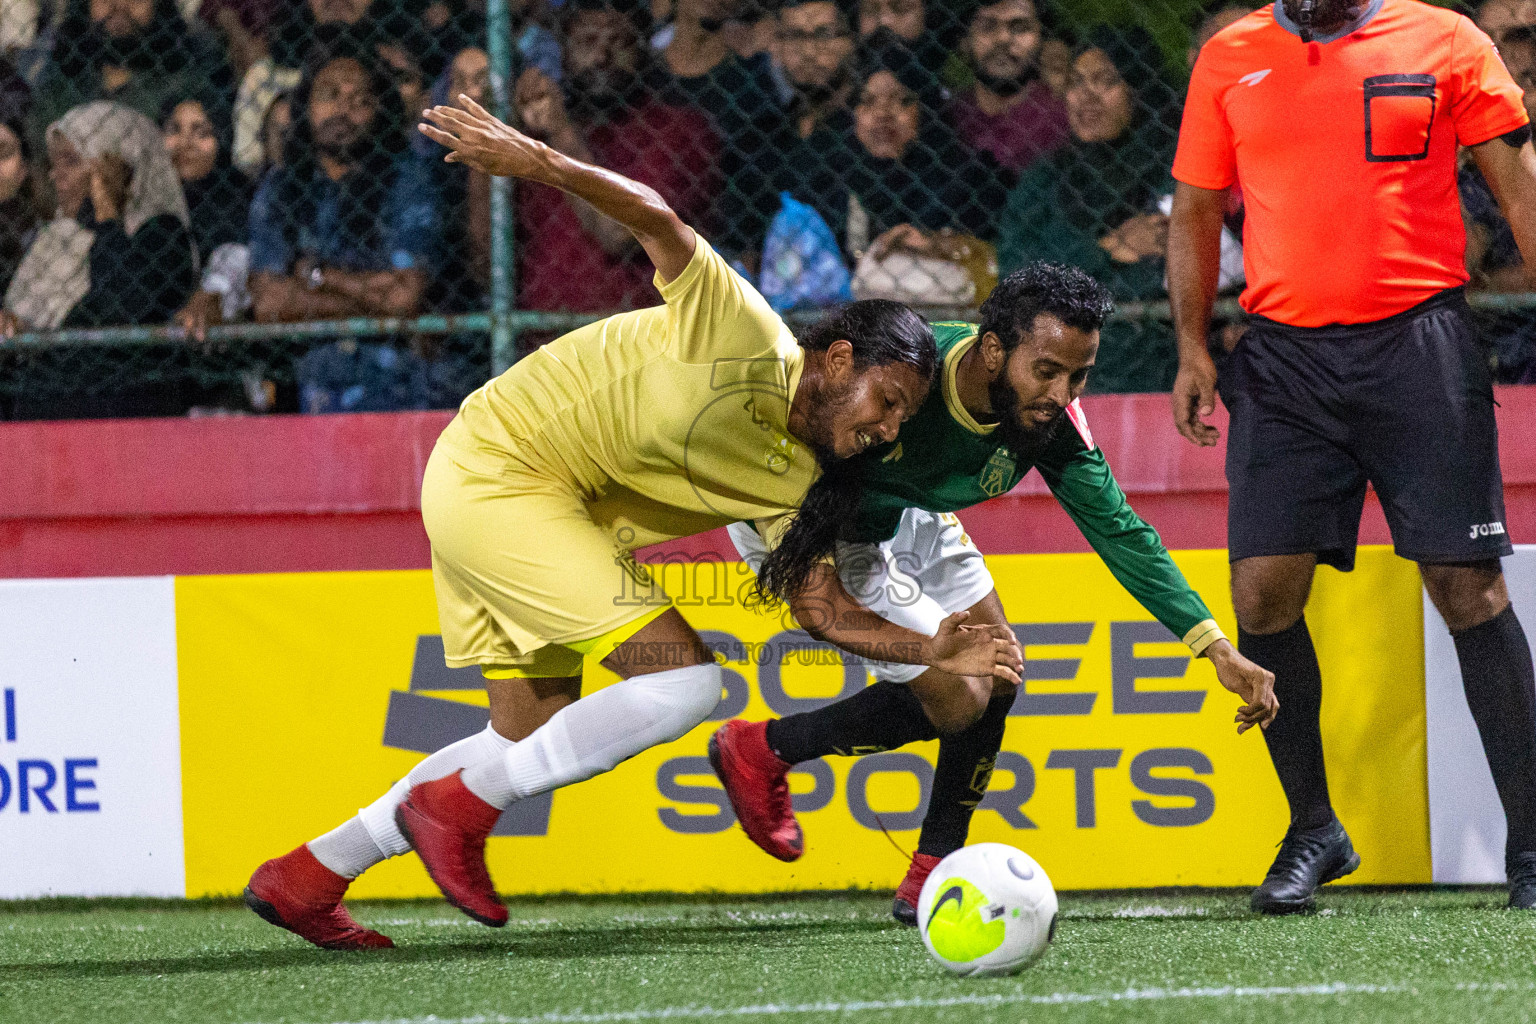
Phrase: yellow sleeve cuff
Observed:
(1203, 635)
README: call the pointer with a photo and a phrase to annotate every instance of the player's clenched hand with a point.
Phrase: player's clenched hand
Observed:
(989, 650)
(1255, 685)
(484, 142)
(1194, 398)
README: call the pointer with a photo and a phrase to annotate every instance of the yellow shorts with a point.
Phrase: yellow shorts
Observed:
(527, 583)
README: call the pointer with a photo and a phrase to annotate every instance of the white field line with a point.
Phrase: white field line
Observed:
(979, 1001)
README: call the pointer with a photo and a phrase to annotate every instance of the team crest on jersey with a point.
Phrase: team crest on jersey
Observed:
(997, 475)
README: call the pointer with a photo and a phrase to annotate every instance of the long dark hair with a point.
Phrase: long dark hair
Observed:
(882, 333)
(363, 191)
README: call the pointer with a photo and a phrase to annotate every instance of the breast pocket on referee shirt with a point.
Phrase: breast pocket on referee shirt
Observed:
(1399, 113)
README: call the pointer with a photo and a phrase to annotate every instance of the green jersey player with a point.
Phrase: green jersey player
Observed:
(876, 560)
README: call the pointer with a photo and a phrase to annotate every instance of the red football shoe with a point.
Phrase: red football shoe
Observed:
(297, 892)
(447, 826)
(904, 907)
(756, 782)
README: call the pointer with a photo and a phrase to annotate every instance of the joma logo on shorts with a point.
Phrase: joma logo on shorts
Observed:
(1487, 530)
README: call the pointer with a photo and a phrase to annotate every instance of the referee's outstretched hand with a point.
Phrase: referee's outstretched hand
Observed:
(1255, 685)
(1194, 398)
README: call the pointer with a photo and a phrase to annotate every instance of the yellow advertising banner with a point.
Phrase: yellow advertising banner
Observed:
(304, 697)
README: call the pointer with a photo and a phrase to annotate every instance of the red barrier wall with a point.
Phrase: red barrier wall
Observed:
(312, 493)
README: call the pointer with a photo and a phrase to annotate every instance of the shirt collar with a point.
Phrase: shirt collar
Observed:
(1285, 22)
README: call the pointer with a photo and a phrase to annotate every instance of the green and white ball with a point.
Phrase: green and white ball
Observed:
(987, 909)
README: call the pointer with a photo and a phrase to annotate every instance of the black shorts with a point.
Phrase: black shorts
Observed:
(1405, 403)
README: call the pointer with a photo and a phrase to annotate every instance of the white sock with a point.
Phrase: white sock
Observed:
(379, 817)
(596, 733)
(348, 850)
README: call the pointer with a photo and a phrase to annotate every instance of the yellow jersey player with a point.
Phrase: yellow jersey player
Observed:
(643, 427)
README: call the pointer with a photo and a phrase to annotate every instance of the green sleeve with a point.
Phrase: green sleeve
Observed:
(1081, 481)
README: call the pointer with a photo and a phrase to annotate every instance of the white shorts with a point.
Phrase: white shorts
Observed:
(929, 570)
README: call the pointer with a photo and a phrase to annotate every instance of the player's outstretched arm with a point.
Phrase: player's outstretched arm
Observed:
(828, 612)
(1194, 269)
(480, 140)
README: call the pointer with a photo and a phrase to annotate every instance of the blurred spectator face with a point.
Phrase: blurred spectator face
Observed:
(470, 74)
(190, 139)
(337, 12)
(712, 14)
(409, 80)
(1212, 25)
(342, 109)
(602, 55)
(814, 47)
(69, 173)
(1497, 17)
(13, 166)
(1099, 103)
(903, 17)
(122, 18)
(1003, 44)
(274, 131)
(1519, 51)
(885, 119)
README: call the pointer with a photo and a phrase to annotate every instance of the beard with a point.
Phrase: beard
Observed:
(351, 152)
(822, 93)
(136, 50)
(822, 442)
(600, 93)
(1006, 86)
(1026, 440)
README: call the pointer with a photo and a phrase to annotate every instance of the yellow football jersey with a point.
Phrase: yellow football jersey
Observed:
(666, 421)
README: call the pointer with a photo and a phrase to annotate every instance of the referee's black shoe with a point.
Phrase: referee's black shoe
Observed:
(1521, 868)
(1308, 858)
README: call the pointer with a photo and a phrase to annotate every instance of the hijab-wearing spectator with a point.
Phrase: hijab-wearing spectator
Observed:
(136, 53)
(900, 164)
(18, 199)
(218, 199)
(218, 195)
(119, 251)
(1094, 203)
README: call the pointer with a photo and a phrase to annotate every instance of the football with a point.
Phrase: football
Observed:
(987, 909)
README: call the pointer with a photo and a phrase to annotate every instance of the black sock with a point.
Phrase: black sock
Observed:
(1295, 737)
(960, 781)
(1500, 682)
(879, 717)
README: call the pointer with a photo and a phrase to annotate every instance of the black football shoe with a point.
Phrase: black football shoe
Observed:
(1308, 858)
(1521, 868)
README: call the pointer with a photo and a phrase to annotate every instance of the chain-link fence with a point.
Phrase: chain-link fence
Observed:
(238, 183)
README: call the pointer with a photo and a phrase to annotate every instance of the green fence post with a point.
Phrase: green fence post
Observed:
(498, 19)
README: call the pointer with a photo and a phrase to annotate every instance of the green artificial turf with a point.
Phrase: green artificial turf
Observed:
(1453, 956)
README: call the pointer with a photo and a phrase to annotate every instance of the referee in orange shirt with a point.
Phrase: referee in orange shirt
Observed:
(1341, 119)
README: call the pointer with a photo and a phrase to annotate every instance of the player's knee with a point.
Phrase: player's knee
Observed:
(691, 696)
(1466, 595)
(962, 708)
(1265, 603)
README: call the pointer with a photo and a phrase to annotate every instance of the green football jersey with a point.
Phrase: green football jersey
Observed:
(945, 461)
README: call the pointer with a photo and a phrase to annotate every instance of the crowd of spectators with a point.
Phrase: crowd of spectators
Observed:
(206, 161)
